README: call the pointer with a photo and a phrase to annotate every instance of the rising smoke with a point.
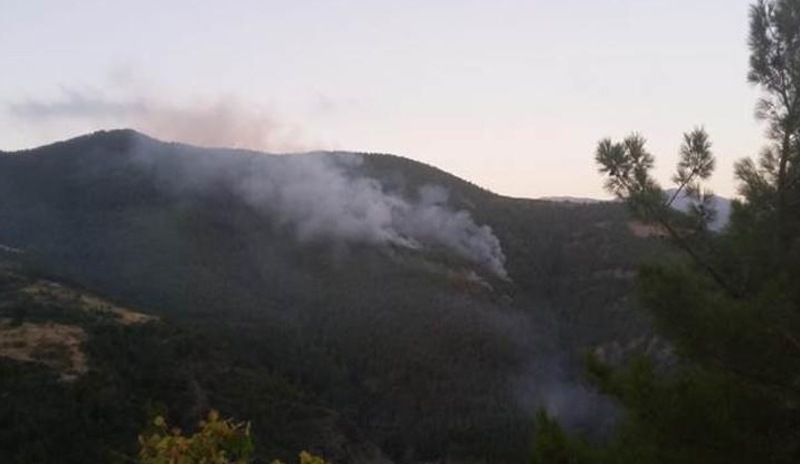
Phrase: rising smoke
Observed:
(326, 196)
(215, 121)
(320, 195)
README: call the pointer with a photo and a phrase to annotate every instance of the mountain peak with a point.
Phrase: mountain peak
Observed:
(123, 135)
(118, 139)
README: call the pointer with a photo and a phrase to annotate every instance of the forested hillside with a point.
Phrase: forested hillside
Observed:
(425, 318)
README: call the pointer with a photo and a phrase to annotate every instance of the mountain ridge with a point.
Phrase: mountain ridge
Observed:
(371, 281)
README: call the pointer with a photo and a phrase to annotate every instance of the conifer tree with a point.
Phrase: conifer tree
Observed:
(731, 303)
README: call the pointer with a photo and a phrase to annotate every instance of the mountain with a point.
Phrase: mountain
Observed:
(363, 306)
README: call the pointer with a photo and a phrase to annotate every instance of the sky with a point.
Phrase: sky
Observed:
(512, 95)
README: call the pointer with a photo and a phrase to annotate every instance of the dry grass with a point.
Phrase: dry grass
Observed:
(50, 292)
(55, 345)
(643, 230)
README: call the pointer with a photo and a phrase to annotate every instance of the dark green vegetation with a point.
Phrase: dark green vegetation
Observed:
(136, 370)
(731, 306)
(348, 349)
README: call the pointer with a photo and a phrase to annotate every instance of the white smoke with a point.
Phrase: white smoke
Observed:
(326, 195)
(323, 196)
(217, 121)
(319, 195)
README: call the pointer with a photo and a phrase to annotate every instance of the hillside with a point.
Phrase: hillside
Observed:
(343, 302)
(81, 376)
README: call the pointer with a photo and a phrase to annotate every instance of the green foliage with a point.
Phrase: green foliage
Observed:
(553, 446)
(731, 308)
(627, 165)
(306, 458)
(775, 60)
(772, 186)
(217, 441)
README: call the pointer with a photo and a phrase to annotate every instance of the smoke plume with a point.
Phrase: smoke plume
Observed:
(222, 121)
(323, 196)
(319, 195)
(326, 196)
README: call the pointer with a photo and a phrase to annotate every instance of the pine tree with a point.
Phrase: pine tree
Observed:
(731, 304)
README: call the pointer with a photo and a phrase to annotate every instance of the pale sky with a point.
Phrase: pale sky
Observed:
(512, 95)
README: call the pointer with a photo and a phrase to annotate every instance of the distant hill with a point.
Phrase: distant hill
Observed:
(683, 203)
(409, 314)
(568, 199)
(721, 205)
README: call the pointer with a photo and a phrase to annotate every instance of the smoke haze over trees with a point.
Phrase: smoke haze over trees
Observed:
(389, 326)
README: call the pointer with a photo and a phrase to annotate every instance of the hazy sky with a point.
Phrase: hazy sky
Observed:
(512, 95)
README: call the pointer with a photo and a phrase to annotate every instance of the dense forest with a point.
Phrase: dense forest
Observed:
(349, 349)
(370, 308)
